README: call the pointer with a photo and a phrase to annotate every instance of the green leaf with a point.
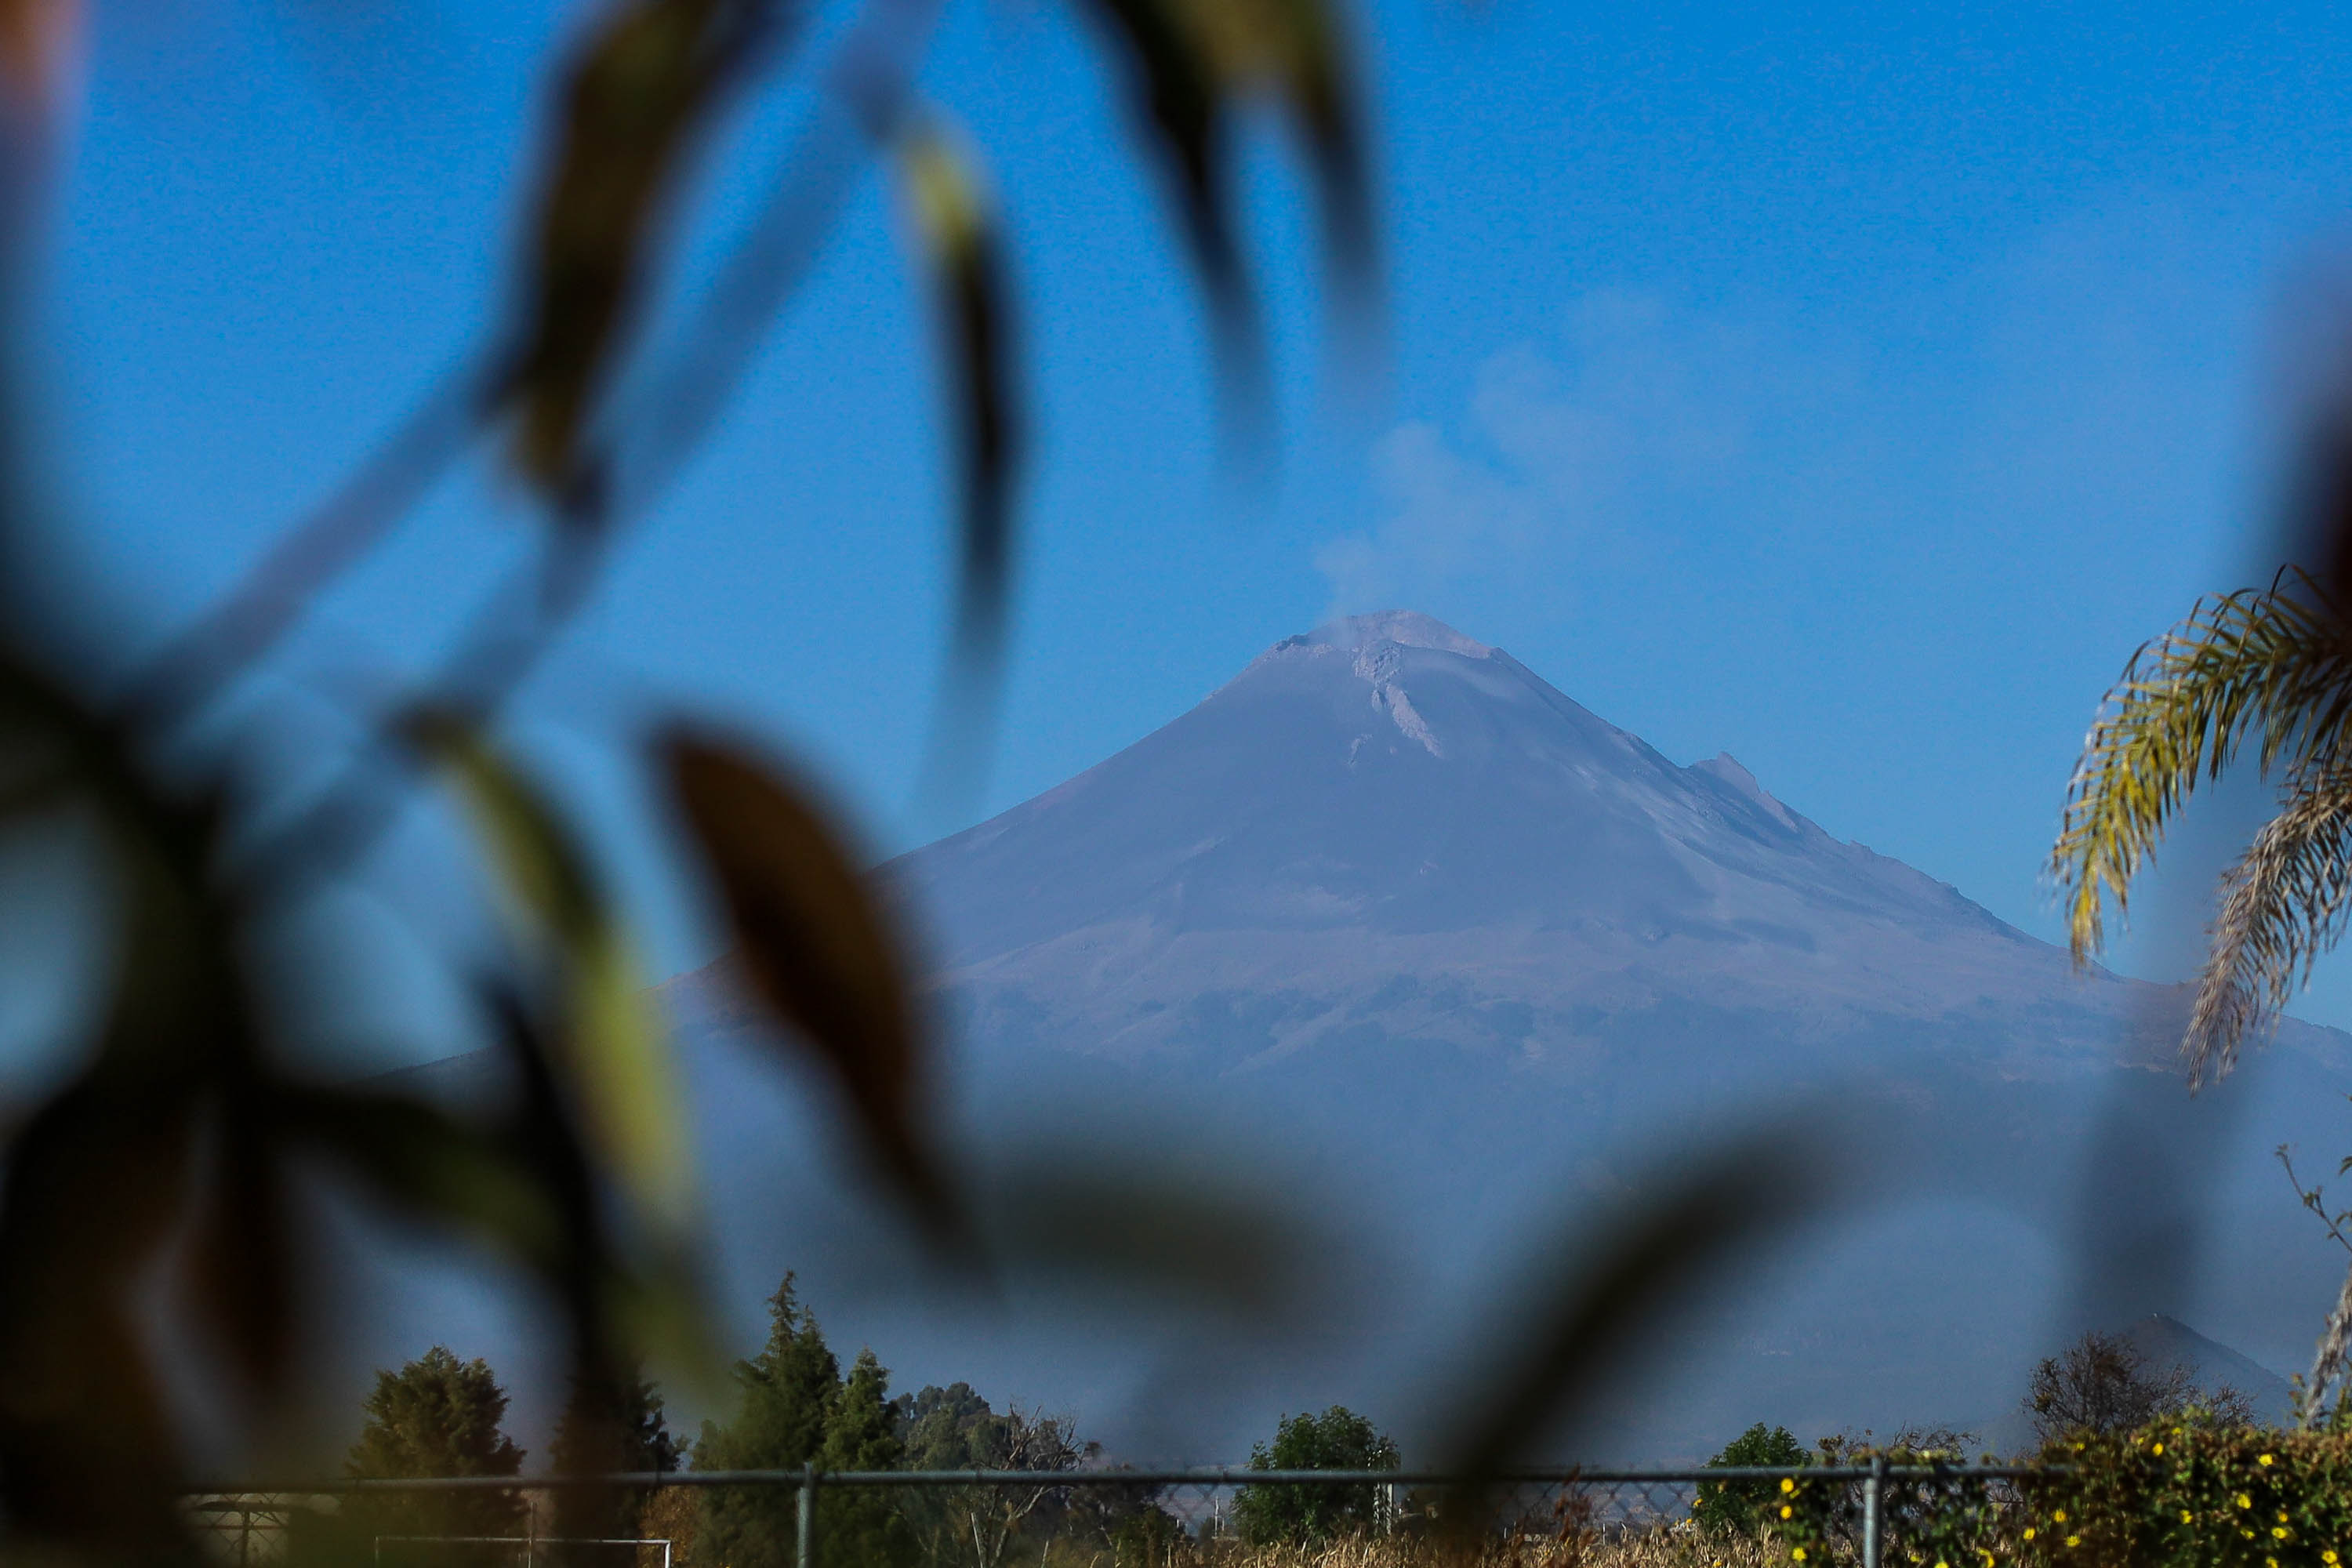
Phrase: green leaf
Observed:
(612, 1061)
(961, 247)
(647, 80)
(813, 941)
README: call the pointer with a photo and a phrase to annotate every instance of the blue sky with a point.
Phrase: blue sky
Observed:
(1846, 388)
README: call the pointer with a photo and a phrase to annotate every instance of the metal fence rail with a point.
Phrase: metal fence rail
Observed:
(1186, 1518)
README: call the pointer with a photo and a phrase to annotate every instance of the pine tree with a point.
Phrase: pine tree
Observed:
(434, 1416)
(863, 1528)
(613, 1422)
(789, 1391)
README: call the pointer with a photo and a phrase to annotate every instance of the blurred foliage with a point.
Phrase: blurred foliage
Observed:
(155, 1195)
(612, 1426)
(200, 1105)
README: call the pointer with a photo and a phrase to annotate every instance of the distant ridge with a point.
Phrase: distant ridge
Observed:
(2167, 1343)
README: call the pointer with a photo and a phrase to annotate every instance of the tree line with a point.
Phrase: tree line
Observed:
(795, 1407)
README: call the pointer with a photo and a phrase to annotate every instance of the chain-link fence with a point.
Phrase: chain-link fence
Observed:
(1878, 1515)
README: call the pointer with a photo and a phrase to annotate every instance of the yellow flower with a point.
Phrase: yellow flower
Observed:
(2262, 1459)
(1786, 1510)
(2279, 1530)
(2156, 1448)
(2328, 1555)
(2186, 1516)
(2059, 1516)
(2245, 1501)
(1796, 1554)
(2074, 1541)
(2029, 1533)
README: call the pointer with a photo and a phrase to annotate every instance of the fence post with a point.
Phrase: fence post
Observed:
(805, 1534)
(1873, 1512)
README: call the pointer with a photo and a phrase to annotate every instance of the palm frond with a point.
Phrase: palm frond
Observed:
(2282, 904)
(2272, 664)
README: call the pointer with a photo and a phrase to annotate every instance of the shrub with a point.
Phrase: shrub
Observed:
(2184, 1492)
(1742, 1505)
(1339, 1439)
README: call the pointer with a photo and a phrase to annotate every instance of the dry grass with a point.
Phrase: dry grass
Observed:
(1658, 1546)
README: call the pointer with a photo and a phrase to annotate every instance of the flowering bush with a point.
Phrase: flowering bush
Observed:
(2181, 1493)
(2173, 1494)
(1950, 1520)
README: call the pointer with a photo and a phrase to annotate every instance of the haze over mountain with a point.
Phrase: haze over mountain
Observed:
(1394, 926)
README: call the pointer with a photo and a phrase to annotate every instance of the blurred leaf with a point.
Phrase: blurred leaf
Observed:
(1163, 1233)
(420, 1160)
(812, 941)
(1293, 49)
(241, 1255)
(1192, 60)
(611, 1047)
(37, 42)
(647, 80)
(88, 1455)
(617, 1312)
(1599, 1318)
(962, 246)
(99, 1180)
(1177, 95)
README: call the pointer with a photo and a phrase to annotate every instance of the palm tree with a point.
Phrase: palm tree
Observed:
(2267, 667)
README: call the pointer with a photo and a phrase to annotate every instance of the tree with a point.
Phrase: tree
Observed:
(788, 1394)
(954, 1428)
(1741, 1505)
(2101, 1384)
(2266, 668)
(861, 1528)
(435, 1416)
(612, 1423)
(1339, 1439)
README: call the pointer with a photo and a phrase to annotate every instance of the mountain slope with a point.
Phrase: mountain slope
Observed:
(1392, 929)
(1387, 820)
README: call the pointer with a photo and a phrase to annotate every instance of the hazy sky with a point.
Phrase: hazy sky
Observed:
(1846, 388)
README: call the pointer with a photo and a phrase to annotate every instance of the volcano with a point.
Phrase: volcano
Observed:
(1389, 926)
(1383, 831)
